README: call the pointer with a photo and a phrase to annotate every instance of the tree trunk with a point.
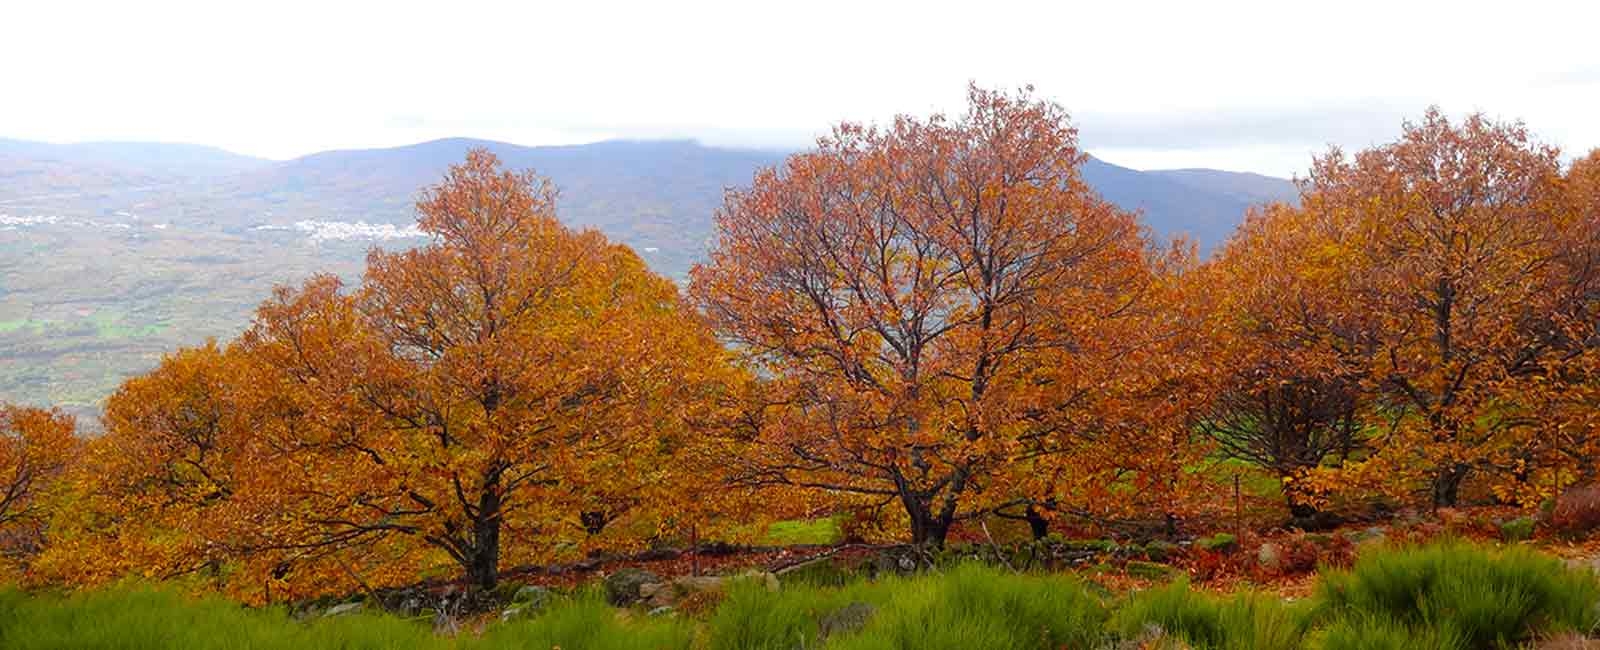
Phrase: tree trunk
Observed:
(483, 569)
(1037, 524)
(927, 528)
(1447, 485)
(594, 521)
(1299, 510)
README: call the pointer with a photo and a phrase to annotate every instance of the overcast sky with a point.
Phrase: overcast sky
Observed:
(1240, 85)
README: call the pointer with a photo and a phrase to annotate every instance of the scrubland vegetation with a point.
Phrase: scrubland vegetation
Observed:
(1448, 596)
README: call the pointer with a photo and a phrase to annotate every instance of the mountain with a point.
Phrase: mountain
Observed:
(1252, 188)
(1205, 204)
(134, 161)
(657, 196)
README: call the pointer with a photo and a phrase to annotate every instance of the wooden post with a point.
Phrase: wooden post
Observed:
(1238, 511)
(694, 550)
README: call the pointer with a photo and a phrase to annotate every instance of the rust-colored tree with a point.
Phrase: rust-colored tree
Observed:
(926, 303)
(36, 446)
(499, 382)
(1445, 250)
(478, 398)
(1287, 359)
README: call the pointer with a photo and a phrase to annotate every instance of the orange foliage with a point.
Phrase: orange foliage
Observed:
(502, 393)
(35, 448)
(932, 305)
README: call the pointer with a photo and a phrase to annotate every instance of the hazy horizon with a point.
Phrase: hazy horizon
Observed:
(1240, 86)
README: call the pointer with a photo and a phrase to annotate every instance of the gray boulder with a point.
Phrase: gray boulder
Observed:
(342, 609)
(622, 586)
(1270, 556)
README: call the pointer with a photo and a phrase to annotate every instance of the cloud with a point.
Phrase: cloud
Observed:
(1349, 126)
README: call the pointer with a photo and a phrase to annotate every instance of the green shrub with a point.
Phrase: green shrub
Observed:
(1241, 622)
(1149, 570)
(1517, 530)
(148, 618)
(1220, 542)
(137, 619)
(1482, 598)
(585, 622)
(752, 618)
(1093, 545)
(969, 606)
(1367, 633)
(978, 608)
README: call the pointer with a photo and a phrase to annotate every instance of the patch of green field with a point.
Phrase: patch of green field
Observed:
(802, 531)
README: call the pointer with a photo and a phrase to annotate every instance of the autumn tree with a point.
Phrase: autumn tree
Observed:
(1562, 399)
(160, 492)
(1287, 359)
(495, 384)
(1445, 251)
(925, 303)
(36, 446)
(486, 396)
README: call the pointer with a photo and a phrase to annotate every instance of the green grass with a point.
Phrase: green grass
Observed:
(137, 619)
(802, 531)
(1450, 596)
(966, 607)
(1482, 598)
(1245, 621)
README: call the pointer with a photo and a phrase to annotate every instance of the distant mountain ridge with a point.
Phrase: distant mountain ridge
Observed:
(656, 195)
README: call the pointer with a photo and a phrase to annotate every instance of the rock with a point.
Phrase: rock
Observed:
(410, 606)
(1270, 556)
(532, 595)
(689, 584)
(766, 579)
(622, 587)
(664, 594)
(851, 618)
(1367, 538)
(342, 609)
(894, 562)
(657, 594)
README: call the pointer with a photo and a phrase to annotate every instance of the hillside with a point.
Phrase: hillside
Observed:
(1205, 204)
(112, 253)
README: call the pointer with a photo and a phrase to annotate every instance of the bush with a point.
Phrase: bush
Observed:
(1517, 530)
(1482, 598)
(1577, 511)
(148, 618)
(1242, 622)
(967, 607)
(584, 622)
(1366, 633)
(1220, 542)
(977, 608)
(127, 619)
